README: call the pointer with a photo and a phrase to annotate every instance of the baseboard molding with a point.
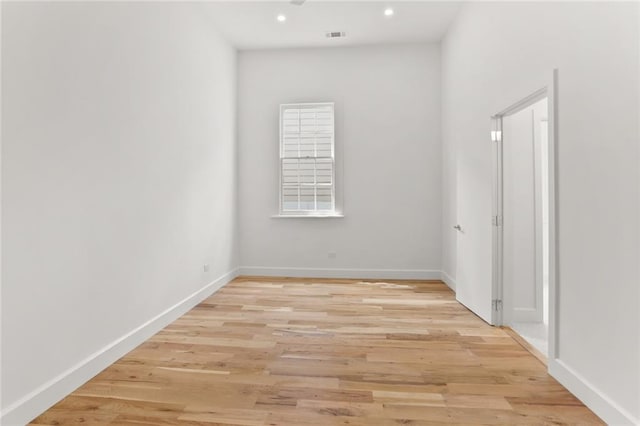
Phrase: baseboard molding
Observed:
(450, 282)
(38, 401)
(398, 274)
(599, 403)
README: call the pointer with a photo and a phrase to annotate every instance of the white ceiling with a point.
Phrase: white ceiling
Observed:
(253, 25)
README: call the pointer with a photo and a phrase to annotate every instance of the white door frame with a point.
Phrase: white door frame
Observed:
(550, 91)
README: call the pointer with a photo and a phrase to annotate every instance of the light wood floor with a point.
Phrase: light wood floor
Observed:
(325, 352)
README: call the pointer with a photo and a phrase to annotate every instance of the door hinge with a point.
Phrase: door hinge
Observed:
(496, 304)
(496, 220)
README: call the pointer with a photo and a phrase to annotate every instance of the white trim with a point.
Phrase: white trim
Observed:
(497, 246)
(450, 282)
(312, 216)
(1, 257)
(523, 103)
(554, 214)
(295, 272)
(306, 104)
(601, 404)
(39, 400)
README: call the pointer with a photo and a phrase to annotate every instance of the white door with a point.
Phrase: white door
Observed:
(522, 215)
(480, 248)
(474, 209)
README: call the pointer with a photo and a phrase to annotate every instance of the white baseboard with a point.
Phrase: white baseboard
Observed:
(38, 401)
(446, 278)
(603, 406)
(398, 274)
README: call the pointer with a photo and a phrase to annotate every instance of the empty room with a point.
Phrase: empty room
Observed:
(319, 213)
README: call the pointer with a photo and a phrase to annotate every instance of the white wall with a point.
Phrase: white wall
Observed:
(118, 183)
(387, 133)
(487, 67)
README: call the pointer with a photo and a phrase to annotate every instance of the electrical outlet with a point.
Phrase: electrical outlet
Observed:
(332, 255)
(206, 267)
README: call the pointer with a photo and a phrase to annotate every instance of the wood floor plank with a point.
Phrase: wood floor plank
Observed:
(289, 351)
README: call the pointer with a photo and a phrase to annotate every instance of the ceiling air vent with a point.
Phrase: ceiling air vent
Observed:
(336, 34)
(297, 2)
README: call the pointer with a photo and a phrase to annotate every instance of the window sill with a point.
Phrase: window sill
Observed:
(307, 216)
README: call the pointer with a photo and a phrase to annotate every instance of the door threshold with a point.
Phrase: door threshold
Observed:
(528, 346)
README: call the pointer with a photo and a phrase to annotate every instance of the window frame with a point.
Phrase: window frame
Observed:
(314, 212)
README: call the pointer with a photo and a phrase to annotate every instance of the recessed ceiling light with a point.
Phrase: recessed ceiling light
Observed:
(281, 18)
(388, 12)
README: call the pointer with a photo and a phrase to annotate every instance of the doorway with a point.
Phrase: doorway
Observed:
(524, 235)
(525, 224)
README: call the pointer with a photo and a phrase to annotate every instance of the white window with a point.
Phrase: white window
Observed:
(307, 159)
